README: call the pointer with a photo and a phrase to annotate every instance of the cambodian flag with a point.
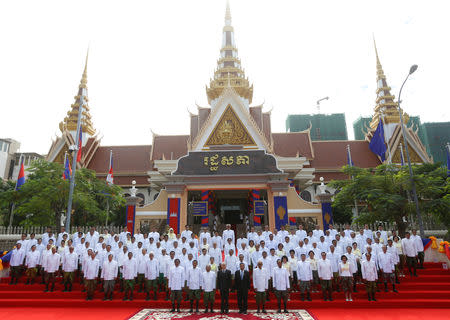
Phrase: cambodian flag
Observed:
(256, 221)
(377, 145)
(292, 221)
(67, 170)
(80, 144)
(110, 176)
(21, 177)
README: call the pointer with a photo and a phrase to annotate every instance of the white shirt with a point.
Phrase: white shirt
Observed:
(324, 269)
(109, 270)
(17, 257)
(203, 261)
(280, 279)
(301, 234)
(304, 272)
(152, 269)
(194, 278)
(129, 268)
(91, 268)
(52, 262)
(419, 243)
(386, 262)
(70, 262)
(345, 269)
(176, 278)
(228, 234)
(260, 279)
(208, 283)
(409, 247)
(369, 270)
(231, 261)
(32, 259)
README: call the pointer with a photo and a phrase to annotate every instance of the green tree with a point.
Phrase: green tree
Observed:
(383, 194)
(42, 200)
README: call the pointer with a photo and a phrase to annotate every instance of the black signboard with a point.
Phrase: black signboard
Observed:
(227, 162)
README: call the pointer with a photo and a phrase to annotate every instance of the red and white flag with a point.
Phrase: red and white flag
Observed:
(110, 176)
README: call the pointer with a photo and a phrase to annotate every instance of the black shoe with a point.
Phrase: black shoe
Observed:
(173, 310)
(394, 290)
(147, 297)
(178, 310)
(206, 311)
(279, 311)
(191, 310)
(285, 311)
(264, 311)
(212, 311)
(373, 299)
(257, 311)
(244, 312)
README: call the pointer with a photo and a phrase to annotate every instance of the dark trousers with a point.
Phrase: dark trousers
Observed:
(281, 295)
(242, 296)
(412, 263)
(224, 300)
(420, 258)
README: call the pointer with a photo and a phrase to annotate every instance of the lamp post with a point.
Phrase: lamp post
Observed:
(413, 185)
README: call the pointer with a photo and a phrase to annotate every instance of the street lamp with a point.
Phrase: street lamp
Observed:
(413, 185)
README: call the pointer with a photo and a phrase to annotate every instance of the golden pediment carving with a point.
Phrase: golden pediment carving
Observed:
(229, 130)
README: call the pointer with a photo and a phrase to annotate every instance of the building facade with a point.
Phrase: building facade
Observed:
(230, 167)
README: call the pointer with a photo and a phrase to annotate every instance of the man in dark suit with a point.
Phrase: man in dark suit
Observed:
(242, 285)
(224, 285)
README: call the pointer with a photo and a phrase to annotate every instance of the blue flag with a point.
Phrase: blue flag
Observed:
(377, 144)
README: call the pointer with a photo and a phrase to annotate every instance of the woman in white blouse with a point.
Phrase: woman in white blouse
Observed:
(345, 273)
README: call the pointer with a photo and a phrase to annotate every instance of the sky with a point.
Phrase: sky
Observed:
(149, 61)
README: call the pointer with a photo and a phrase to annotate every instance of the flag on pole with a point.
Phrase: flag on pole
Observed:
(67, 169)
(349, 157)
(80, 144)
(377, 144)
(110, 176)
(21, 176)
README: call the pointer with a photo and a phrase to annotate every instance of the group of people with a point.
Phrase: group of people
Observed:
(278, 261)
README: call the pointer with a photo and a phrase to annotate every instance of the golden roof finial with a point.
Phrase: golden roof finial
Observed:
(229, 72)
(385, 103)
(228, 14)
(70, 121)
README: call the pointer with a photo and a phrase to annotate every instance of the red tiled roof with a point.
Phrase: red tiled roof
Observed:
(172, 147)
(126, 159)
(290, 143)
(333, 154)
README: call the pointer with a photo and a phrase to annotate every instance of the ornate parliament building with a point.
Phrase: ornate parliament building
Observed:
(231, 167)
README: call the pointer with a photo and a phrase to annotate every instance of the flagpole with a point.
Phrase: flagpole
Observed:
(74, 161)
(386, 139)
(351, 165)
(401, 153)
(448, 159)
(11, 216)
(107, 198)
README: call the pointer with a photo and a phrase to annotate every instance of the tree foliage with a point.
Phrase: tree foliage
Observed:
(42, 200)
(384, 194)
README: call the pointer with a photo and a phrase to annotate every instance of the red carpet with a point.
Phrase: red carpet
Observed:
(431, 290)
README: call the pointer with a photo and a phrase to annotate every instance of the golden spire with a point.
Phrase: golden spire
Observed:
(70, 121)
(229, 72)
(385, 100)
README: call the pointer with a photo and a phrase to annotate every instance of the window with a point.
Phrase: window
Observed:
(305, 195)
(140, 195)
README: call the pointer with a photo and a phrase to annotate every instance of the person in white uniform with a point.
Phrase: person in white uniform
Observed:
(51, 267)
(129, 273)
(69, 265)
(370, 276)
(91, 267)
(31, 262)
(176, 283)
(208, 284)
(260, 285)
(194, 281)
(151, 275)
(305, 276)
(109, 276)
(325, 271)
(409, 247)
(386, 264)
(16, 262)
(281, 285)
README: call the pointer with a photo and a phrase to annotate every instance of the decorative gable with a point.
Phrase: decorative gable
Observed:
(230, 130)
